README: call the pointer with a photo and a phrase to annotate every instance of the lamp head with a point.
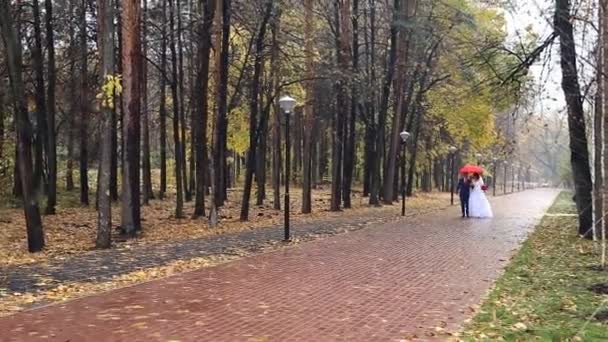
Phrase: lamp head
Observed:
(404, 136)
(287, 104)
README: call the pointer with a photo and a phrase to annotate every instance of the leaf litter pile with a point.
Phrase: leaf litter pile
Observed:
(71, 232)
(547, 291)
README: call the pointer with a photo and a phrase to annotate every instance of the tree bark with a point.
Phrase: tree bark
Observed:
(40, 140)
(162, 112)
(35, 235)
(118, 110)
(254, 109)
(341, 108)
(598, 218)
(69, 174)
(276, 125)
(84, 155)
(105, 22)
(403, 12)
(131, 62)
(603, 80)
(374, 197)
(351, 143)
(182, 101)
(370, 128)
(148, 193)
(202, 105)
(260, 172)
(579, 157)
(2, 87)
(179, 159)
(51, 134)
(309, 115)
(221, 119)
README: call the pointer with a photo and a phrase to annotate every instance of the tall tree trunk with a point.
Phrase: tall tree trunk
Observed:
(182, 101)
(118, 110)
(276, 125)
(598, 218)
(604, 81)
(202, 106)
(309, 115)
(148, 194)
(417, 122)
(162, 112)
(105, 22)
(341, 107)
(179, 159)
(2, 87)
(220, 139)
(192, 79)
(69, 173)
(370, 127)
(374, 197)
(350, 149)
(114, 151)
(216, 170)
(40, 140)
(260, 172)
(254, 109)
(296, 144)
(51, 142)
(276, 158)
(579, 157)
(367, 157)
(131, 63)
(35, 235)
(84, 155)
(403, 11)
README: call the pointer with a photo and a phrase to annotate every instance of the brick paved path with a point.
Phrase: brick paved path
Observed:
(381, 284)
(103, 265)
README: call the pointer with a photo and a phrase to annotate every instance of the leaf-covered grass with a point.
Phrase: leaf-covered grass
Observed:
(543, 294)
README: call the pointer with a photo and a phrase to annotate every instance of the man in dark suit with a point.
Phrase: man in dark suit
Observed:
(464, 190)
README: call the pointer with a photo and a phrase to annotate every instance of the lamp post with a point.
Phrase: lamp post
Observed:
(494, 175)
(404, 136)
(478, 156)
(287, 104)
(452, 151)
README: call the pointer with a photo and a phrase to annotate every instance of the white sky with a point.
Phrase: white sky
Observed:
(538, 14)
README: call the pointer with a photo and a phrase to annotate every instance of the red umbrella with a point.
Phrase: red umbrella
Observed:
(469, 168)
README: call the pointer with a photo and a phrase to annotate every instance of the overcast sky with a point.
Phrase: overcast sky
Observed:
(538, 14)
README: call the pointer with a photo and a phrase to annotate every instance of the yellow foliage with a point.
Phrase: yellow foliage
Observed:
(110, 88)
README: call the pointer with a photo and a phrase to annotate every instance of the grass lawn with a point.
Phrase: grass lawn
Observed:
(544, 294)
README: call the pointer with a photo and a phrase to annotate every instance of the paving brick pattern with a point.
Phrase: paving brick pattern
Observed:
(395, 281)
(103, 265)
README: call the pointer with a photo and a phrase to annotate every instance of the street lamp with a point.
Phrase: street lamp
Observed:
(494, 175)
(287, 104)
(404, 136)
(478, 156)
(452, 151)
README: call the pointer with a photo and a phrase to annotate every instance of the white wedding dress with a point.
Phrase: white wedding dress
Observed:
(479, 206)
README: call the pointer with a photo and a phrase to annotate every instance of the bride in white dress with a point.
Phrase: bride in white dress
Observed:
(479, 206)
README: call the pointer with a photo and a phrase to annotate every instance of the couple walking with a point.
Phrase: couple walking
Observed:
(473, 201)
